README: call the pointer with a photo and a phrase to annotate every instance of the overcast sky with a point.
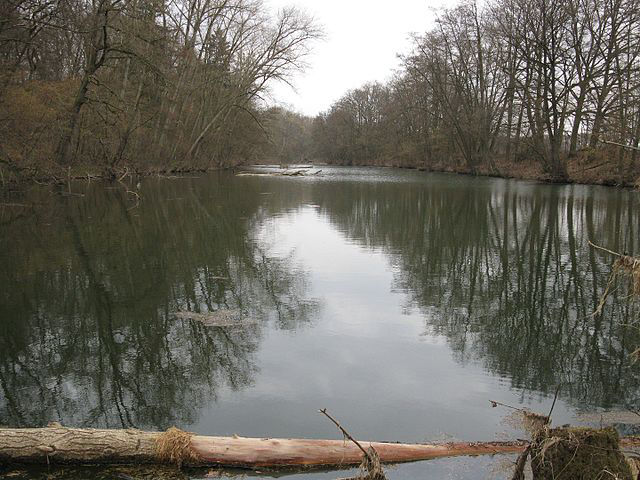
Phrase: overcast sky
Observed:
(363, 38)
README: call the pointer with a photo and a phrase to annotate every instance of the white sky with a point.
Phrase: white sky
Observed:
(363, 38)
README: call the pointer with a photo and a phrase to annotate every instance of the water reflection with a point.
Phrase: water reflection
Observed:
(500, 270)
(504, 271)
(89, 291)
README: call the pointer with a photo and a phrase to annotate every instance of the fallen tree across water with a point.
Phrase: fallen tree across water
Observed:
(57, 444)
(83, 446)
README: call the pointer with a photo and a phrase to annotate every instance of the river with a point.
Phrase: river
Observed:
(401, 301)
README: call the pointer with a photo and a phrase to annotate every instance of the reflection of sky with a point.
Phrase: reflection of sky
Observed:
(365, 358)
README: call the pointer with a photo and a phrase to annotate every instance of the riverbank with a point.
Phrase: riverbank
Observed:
(61, 176)
(595, 169)
(580, 170)
(586, 169)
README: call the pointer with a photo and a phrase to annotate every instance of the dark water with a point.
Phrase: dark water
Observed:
(401, 301)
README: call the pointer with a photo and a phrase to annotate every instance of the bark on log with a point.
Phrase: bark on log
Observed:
(77, 446)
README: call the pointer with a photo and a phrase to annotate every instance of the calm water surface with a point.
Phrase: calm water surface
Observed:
(401, 301)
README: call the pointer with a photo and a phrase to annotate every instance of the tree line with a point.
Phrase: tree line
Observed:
(146, 84)
(543, 88)
(502, 86)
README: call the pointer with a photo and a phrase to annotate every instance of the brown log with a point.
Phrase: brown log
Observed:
(77, 446)
(254, 452)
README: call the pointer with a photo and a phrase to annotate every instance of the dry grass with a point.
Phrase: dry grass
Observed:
(174, 446)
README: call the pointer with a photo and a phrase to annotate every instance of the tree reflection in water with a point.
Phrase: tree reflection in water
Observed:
(89, 335)
(503, 270)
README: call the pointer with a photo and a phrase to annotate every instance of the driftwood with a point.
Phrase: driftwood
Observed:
(283, 173)
(218, 318)
(62, 445)
(81, 446)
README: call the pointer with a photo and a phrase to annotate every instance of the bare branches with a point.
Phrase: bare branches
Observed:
(630, 147)
(370, 468)
(605, 249)
(624, 265)
(341, 428)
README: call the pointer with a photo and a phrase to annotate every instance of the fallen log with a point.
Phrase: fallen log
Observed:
(284, 173)
(83, 446)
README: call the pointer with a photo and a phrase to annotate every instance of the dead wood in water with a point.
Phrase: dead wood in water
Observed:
(83, 446)
(283, 173)
(521, 462)
(624, 265)
(370, 468)
(217, 318)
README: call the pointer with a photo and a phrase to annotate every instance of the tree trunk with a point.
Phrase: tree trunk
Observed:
(76, 446)
(64, 143)
(82, 446)
(577, 119)
(59, 445)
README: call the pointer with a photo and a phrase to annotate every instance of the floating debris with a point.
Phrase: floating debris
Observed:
(282, 173)
(219, 318)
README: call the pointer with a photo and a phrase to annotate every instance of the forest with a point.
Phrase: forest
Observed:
(100, 86)
(530, 89)
(540, 89)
